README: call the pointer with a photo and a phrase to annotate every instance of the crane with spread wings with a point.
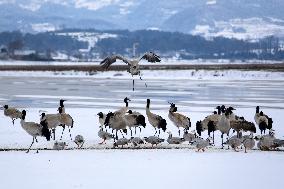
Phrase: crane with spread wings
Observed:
(133, 65)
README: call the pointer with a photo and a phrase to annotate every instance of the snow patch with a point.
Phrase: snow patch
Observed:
(43, 27)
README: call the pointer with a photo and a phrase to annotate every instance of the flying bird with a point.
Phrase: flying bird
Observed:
(133, 65)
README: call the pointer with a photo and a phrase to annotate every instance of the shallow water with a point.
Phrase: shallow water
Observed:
(44, 92)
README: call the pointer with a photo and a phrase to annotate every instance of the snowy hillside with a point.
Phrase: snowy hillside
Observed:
(230, 18)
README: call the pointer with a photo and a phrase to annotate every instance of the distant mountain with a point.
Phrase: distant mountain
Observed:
(230, 18)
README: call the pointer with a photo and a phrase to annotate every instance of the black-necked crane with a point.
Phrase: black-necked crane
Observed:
(133, 65)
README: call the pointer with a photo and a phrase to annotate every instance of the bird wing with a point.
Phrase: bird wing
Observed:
(151, 57)
(112, 59)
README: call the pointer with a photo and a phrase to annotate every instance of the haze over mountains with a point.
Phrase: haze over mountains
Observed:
(242, 19)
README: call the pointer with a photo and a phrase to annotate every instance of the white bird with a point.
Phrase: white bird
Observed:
(79, 140)
(35, 129)
(13, 113)
(133, 65)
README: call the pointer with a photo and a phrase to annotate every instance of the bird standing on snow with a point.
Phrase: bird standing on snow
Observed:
(133, 65)
(178, 119)
(155, 120)
(35, 129)
(134, 119)
(13, 113)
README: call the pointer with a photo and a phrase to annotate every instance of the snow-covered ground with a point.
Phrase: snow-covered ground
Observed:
(195, 96)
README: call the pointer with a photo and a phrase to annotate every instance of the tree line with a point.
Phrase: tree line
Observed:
(167, 44)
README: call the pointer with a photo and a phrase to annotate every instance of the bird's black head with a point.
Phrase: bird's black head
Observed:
(100, 114)
(214, 112)
(219, 109)
(24, 113)
(199, 128)
(257, 109)
(223, 108)
(108, 116)
(61, 101)
(42, 115)
(261, 113)
(6, 106)
(231, 108)
(129, 111)
(126, 100)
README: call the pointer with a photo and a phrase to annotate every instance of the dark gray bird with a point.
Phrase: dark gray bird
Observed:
(133, 65)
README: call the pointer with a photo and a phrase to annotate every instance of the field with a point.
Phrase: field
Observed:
(195, 92)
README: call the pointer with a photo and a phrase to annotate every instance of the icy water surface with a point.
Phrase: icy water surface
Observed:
(44, 92)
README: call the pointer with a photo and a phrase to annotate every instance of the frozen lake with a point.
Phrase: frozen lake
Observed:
(194, 93)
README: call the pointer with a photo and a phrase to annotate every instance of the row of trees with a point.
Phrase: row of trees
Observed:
(165, 43)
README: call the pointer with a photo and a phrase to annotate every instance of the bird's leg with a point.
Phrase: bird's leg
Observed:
(140, 129)
(159, 133)
(135, 130)
(69, 129)
(130, 132)
(203, 149)
(116, 137)
(132, 83)
(36, 140)
(213, 138)
(155, 131)
(227, 140)
(140, 76)
(82, 145)
(222, 141)
(62, 132)
(178, 132)
(31, 145)
(13, 121)
(246, 150)
(53, 131)
(121, 133)
(103, 141)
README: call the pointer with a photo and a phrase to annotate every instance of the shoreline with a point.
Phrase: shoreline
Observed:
(279, 67)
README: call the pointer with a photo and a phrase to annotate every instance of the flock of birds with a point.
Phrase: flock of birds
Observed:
(126, 120)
